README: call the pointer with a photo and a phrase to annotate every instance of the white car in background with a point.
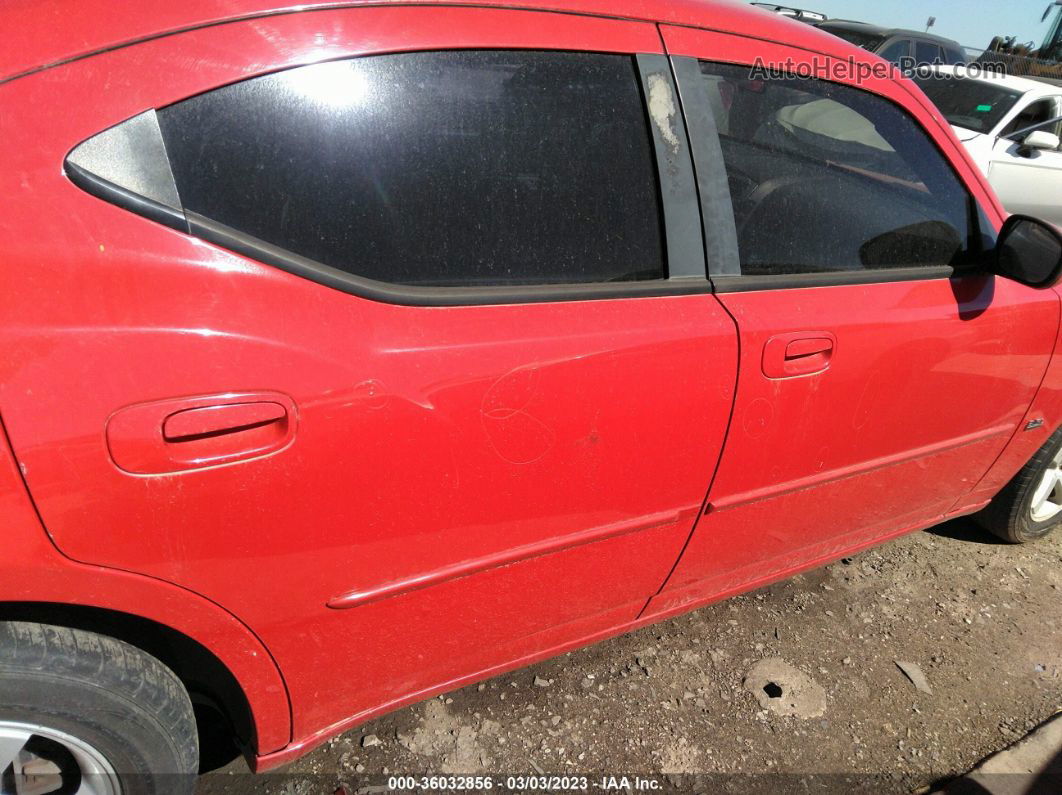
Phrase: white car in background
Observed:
(1013, 128)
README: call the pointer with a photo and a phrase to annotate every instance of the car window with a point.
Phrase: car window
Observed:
(896, 51)
(1056, 126)
(1038, 112)
(953, 57)
(928, 53)
(868, 41)
(826, 178)
(972, 104)
(461, 168)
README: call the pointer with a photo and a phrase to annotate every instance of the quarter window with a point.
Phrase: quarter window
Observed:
(828, 178)
(461, 168)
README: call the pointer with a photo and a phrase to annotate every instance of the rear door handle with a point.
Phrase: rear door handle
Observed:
(194, 424)
(166, 436)
(798, 354)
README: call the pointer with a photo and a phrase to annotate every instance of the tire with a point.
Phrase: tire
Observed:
(1017, 514)
(89, 704)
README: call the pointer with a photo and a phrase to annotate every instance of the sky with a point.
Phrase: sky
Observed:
(972, 23)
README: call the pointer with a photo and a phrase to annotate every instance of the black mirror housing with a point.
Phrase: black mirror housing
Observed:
(1029, 251)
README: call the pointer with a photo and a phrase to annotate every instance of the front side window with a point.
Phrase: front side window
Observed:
(825, 178)
(460, 168)
(1036, 113)
(953, 57)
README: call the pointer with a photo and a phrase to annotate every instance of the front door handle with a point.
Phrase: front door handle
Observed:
(174, 435)
(798, 354)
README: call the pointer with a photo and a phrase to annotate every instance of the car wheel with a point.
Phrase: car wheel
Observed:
(84, 714)
(1030, 506)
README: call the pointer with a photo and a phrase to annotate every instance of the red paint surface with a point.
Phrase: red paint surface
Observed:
(33, 570)
(928, 382)
(460, 490)
(176, 435)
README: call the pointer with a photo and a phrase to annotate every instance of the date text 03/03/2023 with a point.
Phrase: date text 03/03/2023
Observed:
(543, 783)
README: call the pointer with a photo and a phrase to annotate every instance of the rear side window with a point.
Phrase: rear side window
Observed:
(895, 52)
(825, 178)
(927, 53)
(462, 168)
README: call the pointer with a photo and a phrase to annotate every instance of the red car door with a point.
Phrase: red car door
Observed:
(412, 367)
(882, 370)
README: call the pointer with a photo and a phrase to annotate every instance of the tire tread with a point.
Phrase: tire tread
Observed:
(104, 662)
(1007, 516)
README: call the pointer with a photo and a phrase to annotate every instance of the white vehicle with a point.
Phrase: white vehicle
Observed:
(1013, 128)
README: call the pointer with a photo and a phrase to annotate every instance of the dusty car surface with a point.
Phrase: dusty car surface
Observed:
(356, 353)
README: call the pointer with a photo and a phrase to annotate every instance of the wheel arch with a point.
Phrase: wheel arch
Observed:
(222, 707)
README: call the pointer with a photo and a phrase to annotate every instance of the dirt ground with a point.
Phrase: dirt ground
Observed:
(976, 622)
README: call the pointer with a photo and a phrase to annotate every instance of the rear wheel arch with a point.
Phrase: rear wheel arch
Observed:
(225, 720)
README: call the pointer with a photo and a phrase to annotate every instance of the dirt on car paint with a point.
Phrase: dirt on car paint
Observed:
(797, 685)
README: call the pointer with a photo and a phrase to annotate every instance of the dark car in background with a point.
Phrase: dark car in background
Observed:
(896, 44)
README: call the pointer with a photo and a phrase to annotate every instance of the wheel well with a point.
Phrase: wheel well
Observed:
(223, 716)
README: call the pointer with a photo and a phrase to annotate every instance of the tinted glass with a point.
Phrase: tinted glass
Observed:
(436, 168)
(894, 52)
(829, 178)
(973, 104)
(868, 41)
(927, 53)
(954, 57)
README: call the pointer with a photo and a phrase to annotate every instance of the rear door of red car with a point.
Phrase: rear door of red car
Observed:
(445, 436)
(882, 371)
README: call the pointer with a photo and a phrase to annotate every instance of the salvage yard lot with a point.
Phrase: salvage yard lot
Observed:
(980, 619)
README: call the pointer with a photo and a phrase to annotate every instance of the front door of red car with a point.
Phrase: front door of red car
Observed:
(882, 370)
(414, 367)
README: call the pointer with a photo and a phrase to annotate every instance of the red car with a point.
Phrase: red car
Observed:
(354, 353)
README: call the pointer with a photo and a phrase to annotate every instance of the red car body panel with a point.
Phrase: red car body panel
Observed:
(456, 491)
(63, 30)
(33, 570)
(486, 408)
(827, 463)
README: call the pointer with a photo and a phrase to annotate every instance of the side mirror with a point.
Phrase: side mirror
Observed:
(1039, 140)
(1029, 252)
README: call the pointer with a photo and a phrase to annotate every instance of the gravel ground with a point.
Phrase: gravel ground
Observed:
(798, 684)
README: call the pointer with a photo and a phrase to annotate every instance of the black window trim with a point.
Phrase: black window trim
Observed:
(727, 277)
(684, 262)
(175, 218)
(410, 295)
